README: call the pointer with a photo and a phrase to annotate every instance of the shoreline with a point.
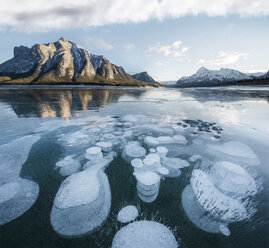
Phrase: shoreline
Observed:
(68, 86)
(100, 87)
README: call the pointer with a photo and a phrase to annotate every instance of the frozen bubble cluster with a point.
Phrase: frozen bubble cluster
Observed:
(152, 166)
(143, 234)
(218, 193)
(151, 169)
(127, 214)
(219, 196)
(17, 195)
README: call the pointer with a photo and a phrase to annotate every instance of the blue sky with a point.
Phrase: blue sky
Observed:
(166, 44)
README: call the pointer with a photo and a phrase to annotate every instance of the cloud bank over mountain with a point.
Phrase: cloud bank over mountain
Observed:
(46, 15)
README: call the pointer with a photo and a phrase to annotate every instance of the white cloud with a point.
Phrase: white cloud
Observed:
(129, 47)
(263, 71)
(175, 50)
(44, 15)
(224, 59)
(159, 63)
(96, 43)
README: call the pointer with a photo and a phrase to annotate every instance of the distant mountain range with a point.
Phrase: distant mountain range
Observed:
(224, 76)
(144, 77)
(63, 62)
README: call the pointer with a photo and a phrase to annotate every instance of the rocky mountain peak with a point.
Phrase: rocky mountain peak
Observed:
(202, 70)
(62, 39)
(144, 76)
(61, 62)
(205, 77)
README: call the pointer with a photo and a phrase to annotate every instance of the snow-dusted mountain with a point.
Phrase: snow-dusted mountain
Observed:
(144, 77)
(62, 62)
(265, 76)
(256, 74)
(205, 77)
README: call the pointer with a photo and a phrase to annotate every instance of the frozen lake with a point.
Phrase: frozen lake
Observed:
(123, 167)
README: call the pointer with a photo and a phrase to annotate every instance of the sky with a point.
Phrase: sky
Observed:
(167, 38)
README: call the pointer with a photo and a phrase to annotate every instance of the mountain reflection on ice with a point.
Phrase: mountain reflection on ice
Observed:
(107, 166)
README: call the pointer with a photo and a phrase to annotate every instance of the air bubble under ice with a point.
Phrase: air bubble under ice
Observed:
(148, 234)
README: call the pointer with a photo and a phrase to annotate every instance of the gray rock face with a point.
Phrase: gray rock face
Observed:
(24, 61)
(144, 77)
(59, 62)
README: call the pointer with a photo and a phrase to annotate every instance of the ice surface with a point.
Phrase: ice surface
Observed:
(234, 151)
(136, 118)
(215, 202)
(154, 128)
(144, 234)
(16, 198)
(127, 214)
(180, 139)
(13, 155)
(78, 220)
